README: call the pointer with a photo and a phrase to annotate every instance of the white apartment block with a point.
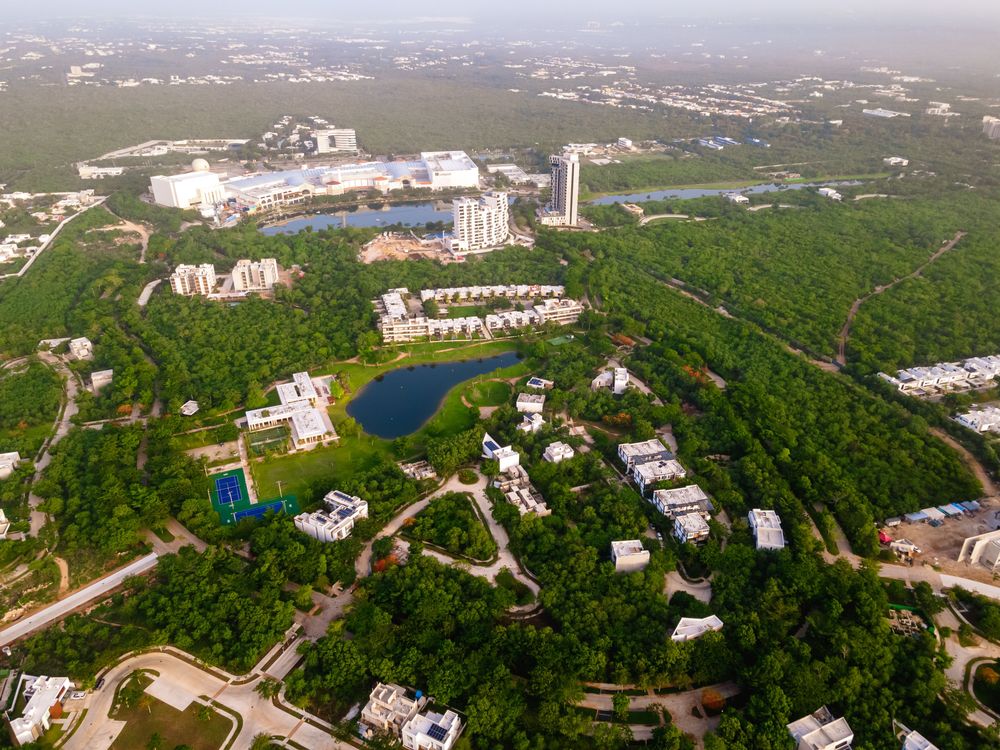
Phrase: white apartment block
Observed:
(820, 731)
(337, 521)
(629, 555)
(636, 453)
(193, 280)
(530, 403)
(336, 140)
(81, 348)
(682, 500)
(563, 210)
(969, 374)
(480, 223)
(505, 456)
(991, 126)
(43, 696)
(561, 311)
(557, 453)
(690, 628)
(431, 731)
(982, 419)
(255, 276)
(509, 291)
(691, 527)
(766, 528)
(389, 707)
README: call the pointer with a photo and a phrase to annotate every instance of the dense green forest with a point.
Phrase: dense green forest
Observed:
(450, 522)
(29, 398)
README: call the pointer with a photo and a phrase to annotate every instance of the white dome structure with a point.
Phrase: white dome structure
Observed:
(200, 165)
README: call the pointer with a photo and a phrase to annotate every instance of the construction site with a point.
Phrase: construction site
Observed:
(406, 246)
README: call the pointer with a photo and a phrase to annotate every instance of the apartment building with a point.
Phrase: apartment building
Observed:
(480, 223)
(820, 731)
(509, 291)
(683, 500)
(189, 280)
(690, 628)
(691, 527)
(561, 311)
(991, 126)
(557, 452)
(766, 528)
(255, 276)
(336, 140)
(649, 462)
(564, 206)
(337, 521)
(629, 555)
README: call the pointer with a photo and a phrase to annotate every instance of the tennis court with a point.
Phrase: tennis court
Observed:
(259, 510)
(227, 489)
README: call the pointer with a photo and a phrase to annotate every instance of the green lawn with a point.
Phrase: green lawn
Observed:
(150, 716)
(488, 393)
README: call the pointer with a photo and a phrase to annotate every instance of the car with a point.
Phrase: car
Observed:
(659, 536)
(99, 684)
(78, 695)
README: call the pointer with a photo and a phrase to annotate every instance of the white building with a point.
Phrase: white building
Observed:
(505, 456)
(336, 140)
(969, 374)
(682, 500)
(81, 348)
(255, 276)
(8, 462)
(991, 126)
(88, 172)
(629, 555)
(830, 193)
(625, 143)
(337, 521)
(192, 280)
(562, 311)
(737, 198)
(652, 472)
(895, 161)
(615, 379)
(187, 190)
(912, 739)
(531, 423)
(389, 707)
(690, 628)
(632, 454)
(530, 403)
(43, 696)
(766, 528)
(982, 419)
(480, 223)
(189, 408)
(691, 527)
(557, 452)
(540, 384)
(299, 399)
(431, 731)
(563, 210)
(820, 731)
(4, 524)
(101, 379)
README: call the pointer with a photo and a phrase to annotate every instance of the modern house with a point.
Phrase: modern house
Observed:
(308, 425)
(337, 521)
(432, 731)
(690, 628)
(505, 456)
(912, 739)
(629, 555)
(81, 348)
(99, 379)
(530, 403)
(661, 470)
(691, 527)
(820, 731)
(557, 452)
(682, 500)
(389, 707)
(8, 462)
(43, 702)
(531, 423)
(766, 528)
(539, 384)
(615, 379)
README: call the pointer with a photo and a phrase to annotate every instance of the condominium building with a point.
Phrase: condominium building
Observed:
(480, 223)
(969, 374)
(530, 403)
(981, 419)
(43, 702)
(255, 276)
(629, 555)
(991, 126)
(820, 731)
(337, 521)
(690, 628)
(189, 280)
(649, 462)
(691, 527)
(561, 311)
(766, 528)
(563, 209)
(336, 140)
(508, 291)
(682, 500)
(431, 731)
(389, 707)
(633, 454)
(557, 452)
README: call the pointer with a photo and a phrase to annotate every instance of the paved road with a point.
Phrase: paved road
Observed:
(147, 292)
(79, 598)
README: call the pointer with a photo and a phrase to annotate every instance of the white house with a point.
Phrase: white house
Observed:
(4, 524)
(505, 456)
(100, 379)
(43, 702)
(557, 452)
(690, 628)
(337, 521)
(766, 528)
(629, 555)
(431, 731)
(539, 384)
(691, 527)
(8, 462)
(308, 425)
(738, 198)
(189, 408)
(81, 348)
(615, 379)
(830, 193)
(660, 470)
(682, 500)
(389, 707)
(820, 731)
(531, 423)
(530, 403)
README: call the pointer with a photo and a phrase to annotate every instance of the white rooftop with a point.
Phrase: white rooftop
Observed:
(690, 628)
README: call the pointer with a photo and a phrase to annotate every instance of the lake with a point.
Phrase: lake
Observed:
(685, 193)
(406, 214)
(401, 401)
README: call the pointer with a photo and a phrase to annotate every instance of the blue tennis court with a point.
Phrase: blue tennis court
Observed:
(259, 510)
(227, 489)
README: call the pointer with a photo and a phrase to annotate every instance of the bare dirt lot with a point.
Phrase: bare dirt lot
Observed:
(216, 452)
(394, 246)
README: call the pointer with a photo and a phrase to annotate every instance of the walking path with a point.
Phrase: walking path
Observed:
(147, 292)
(845, 332)
(970, 460)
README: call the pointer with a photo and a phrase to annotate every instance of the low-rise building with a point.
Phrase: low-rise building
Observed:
(189, 281)
(418, 470)
(911, 739)
(8, 462)
(981, 419)
(561, 311)
(690, 628)
(531, 423)
(629, 555)
(895, 161)
(632, 454)
(738, 198)
(389, 707)
(820, 731)
(301, 390)
(255, 276)
(4, 524)
(81, 348)
(615, 379)
(766, 528)
(982, 549)
(530, 403)
(189, 408)
(682, 501)
(101, 379)
(650, 473)
(43, 702)
(337, 521)
(557, 452)
(692, 528)
(505, 456)
(830, 193)
(431, 731)
(944, 377)
(539, 384)
(308, 425)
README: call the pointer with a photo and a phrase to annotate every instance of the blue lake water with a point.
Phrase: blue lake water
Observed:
(407, 214)
(685, 193)
(401, 401)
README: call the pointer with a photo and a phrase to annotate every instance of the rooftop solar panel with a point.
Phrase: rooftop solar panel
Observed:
(490, 445)
(436, 732)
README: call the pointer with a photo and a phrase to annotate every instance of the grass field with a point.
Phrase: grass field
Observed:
(263, 441)
(488, 393)
(175, 728)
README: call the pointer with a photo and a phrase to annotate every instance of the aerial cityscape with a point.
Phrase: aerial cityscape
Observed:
(535, 376)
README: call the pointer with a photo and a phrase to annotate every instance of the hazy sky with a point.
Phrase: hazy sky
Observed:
(954, 13)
